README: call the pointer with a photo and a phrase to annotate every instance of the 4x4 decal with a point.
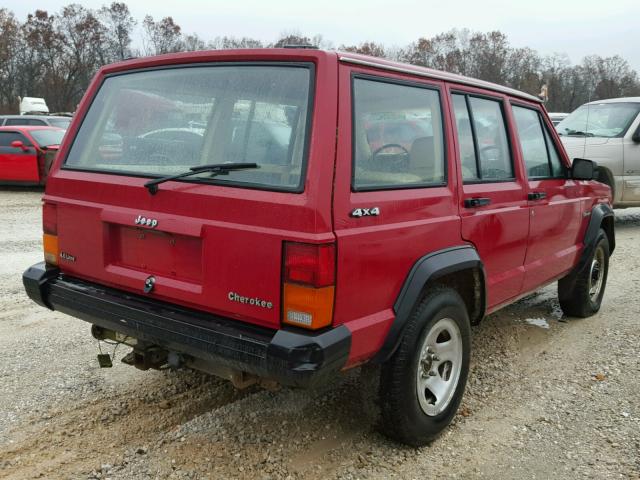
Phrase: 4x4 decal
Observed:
(365, 212)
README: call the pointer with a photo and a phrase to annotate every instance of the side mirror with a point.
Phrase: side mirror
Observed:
(20, 145)
(636, 136)
(583, 169)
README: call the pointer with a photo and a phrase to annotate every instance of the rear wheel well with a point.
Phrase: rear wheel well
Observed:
(469, 283)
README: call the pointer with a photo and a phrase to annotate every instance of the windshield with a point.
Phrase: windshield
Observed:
(162, 122)
(60, 122)
(599, 120)
(46, 138)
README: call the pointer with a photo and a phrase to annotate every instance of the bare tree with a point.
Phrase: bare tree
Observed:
(294, 38)
(367, 48)
(223, 43)
(193, 42)
(610, 77)
(41, 56)
(10, 44)
(164, 36)
(119, 26)
(522, 69)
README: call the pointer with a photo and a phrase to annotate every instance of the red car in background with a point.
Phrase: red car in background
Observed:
(26, 153)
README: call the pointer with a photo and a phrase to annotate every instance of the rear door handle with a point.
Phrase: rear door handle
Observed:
(537, 195)
(476, 202)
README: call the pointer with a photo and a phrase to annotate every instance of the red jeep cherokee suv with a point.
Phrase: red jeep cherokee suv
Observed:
(227, 211)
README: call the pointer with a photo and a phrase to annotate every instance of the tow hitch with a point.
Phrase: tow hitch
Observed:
(152, 357)
(145, 356)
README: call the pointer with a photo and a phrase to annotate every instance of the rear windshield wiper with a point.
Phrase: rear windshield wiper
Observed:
(215, 169)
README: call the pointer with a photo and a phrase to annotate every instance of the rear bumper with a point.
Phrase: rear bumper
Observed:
(291, 357)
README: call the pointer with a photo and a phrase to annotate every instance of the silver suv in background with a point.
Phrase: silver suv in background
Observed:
(557, 117)
(608, 132)
(37, 120)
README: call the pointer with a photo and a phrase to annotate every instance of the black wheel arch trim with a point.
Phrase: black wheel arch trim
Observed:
(599, 213)
(428, 268)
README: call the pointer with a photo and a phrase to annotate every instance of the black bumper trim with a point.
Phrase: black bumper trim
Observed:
(290, 357)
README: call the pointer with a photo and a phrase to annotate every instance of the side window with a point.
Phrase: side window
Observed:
(484, 147)
(532, 142)
(25, 121)
(17, 121)
(7, 137)
(398, 138)
(540, 156)
(491, 139)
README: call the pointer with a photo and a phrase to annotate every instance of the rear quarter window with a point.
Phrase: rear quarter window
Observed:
(398, 139)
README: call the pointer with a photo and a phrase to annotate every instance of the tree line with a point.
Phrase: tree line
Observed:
(54, 55)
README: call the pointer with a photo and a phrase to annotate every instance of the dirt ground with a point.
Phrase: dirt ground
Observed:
(548, 397)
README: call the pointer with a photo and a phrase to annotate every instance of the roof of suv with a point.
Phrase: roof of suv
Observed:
(430, 73)
(616, 100)
(37, 117)
(307, 53)
(28, 128)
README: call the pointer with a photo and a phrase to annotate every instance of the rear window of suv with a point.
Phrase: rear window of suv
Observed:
(398, 139)
(162, 122)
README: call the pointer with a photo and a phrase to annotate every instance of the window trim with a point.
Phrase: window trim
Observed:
(406, 83)
(548, 138)
(544, 128)
(300, 188)
(507, 129)
(474, 138)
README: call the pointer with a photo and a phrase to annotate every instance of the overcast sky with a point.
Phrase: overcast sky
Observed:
(574, 27)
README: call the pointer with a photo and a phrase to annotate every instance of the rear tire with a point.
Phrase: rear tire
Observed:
(422, 384)
(581, 293)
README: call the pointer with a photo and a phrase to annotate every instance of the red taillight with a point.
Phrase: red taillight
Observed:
(50, 235)
(308, 264)
(50, 218)
(308, 285)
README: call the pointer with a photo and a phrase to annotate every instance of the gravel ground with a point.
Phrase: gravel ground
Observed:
(548, 397)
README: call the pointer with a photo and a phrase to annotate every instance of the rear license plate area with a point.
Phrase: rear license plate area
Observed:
(163, 253)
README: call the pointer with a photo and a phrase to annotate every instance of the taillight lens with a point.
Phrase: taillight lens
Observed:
(308, 264)
(309, 285)
(50, 218)
(50, 235)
